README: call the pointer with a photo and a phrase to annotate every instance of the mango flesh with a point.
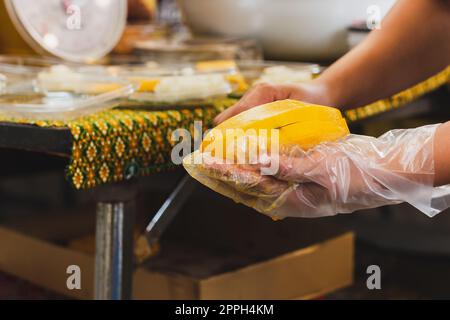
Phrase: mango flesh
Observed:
(144, 84)
(310, 133)
(295, 123)
(280, 113)
(238, 82)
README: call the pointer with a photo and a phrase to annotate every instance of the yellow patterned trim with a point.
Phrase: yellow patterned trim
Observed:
(399, 99)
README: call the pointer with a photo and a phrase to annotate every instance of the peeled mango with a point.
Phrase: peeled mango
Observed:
(295, 122)
(296, 125)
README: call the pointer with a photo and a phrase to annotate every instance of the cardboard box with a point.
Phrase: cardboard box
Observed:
(302, 274)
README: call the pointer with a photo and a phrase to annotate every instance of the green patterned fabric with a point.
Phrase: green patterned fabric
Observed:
(120, 144)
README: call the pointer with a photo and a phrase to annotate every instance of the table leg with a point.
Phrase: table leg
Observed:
(114, 243)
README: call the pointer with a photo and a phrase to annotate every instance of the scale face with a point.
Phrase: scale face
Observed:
(74, 30)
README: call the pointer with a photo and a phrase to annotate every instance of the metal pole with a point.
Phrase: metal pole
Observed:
(170, 208)
(114, 242)
(149, 241)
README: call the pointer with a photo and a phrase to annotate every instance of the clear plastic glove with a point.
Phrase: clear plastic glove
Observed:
(361, 172)
(354, 173)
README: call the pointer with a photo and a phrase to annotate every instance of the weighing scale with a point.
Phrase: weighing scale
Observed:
(73, 30)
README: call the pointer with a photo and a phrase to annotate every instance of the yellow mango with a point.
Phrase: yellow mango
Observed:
(310, 133)
(238, 82)
(145, 84)
(251, 143)
(249, 137)
(281, 115)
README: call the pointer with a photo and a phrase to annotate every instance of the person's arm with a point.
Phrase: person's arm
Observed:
(442, 155)
(412, 45)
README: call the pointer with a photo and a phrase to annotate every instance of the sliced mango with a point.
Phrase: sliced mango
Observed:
(238, 82)
(145, 84)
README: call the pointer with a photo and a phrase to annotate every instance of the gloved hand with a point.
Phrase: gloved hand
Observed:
(360, 172)
(356, 172)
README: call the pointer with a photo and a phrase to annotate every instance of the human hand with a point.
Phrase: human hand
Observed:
(313, 92)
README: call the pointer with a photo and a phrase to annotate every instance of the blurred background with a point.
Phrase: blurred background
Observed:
(412, 250)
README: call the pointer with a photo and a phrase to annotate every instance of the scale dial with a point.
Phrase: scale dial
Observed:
(74, 30)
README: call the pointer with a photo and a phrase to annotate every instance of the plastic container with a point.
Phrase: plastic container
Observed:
(26, 63)
(277, 71)
(72, 98)
(184, 88)
(183, 84)
(20, 68)
(160, 87)
(2, 82)
(150, 69)
(144, 85)
(165, 86)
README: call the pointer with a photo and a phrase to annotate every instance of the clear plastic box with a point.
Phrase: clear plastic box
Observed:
(163, 86)
(34, 100)
(253, 71)
(40, 89)
(20, 68)
(147, 85)
(2, 82)
(239, 74)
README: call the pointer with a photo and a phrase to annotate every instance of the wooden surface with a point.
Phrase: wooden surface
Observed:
(56, 141)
